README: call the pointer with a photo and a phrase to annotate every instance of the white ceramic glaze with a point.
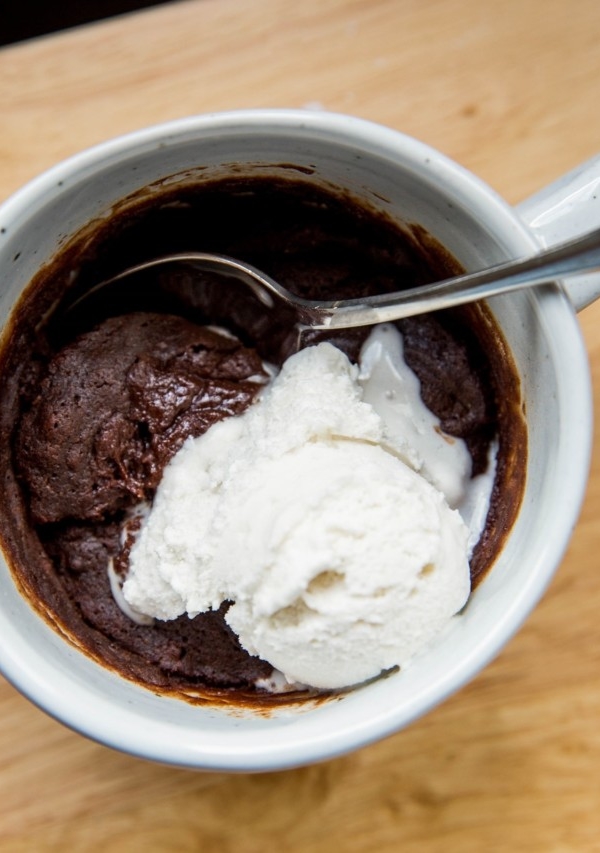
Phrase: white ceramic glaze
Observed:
(567, 208)
(479, 228)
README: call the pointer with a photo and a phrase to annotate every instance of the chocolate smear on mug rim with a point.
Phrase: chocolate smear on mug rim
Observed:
(319, 242)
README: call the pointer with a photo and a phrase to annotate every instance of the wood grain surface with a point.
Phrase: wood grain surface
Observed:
(511, 90)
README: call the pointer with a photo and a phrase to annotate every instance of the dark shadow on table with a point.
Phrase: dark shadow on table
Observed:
(25, 19)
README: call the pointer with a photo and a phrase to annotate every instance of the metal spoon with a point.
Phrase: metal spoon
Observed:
(568, 259)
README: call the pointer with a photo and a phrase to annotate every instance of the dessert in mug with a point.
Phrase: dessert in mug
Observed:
(220, 509)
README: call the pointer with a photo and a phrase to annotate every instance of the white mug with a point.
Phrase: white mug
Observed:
(540, 326)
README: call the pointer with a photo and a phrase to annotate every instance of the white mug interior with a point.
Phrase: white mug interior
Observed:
(415, 184)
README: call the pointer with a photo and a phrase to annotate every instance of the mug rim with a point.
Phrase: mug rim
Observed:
(151, 742)
(333, 126)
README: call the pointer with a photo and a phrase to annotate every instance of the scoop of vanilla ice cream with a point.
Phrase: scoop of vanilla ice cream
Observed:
(354, 563)
(315, 397)
(341, 561)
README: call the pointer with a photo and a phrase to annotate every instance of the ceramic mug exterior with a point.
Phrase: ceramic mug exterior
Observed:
(416, 184)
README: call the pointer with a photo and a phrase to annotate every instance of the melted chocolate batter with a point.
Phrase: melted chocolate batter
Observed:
(101, 397)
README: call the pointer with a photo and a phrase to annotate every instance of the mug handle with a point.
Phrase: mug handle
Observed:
(568, 208)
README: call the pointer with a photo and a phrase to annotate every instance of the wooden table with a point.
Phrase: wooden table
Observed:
(512, 91)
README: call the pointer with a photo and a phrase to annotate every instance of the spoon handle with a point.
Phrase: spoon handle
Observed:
(568, 259)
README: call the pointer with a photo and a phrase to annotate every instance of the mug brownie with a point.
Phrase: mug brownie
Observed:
(101, 388)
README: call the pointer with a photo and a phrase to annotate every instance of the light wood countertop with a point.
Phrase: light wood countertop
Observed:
(510, 90)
